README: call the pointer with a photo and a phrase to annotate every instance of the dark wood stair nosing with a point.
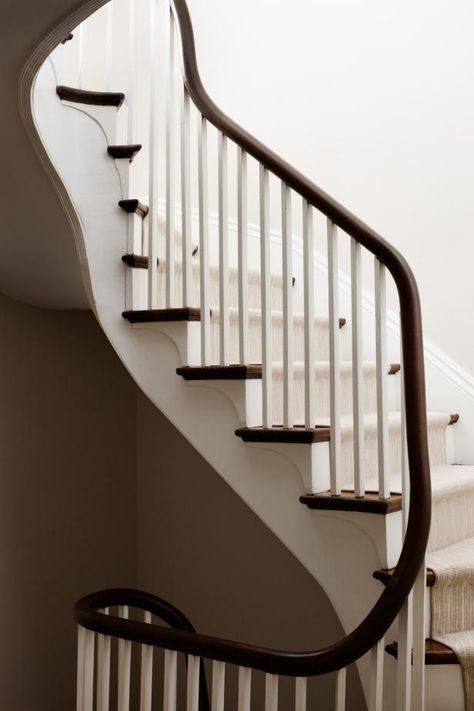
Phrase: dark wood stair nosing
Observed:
(136, 261)
(187, 313)
(293, 435)
(68, 38)
(348, 501)
(383, 575)
(252, 371)
(453, 419)
(435, 653)
(92, 98)
(124, 151)
(134, 206)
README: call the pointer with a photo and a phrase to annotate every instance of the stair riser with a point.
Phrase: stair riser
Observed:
(438, 446)
(322, 394)
(255, 339)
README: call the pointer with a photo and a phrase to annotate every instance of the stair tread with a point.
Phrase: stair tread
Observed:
(347, 501)
(435, 419)
(455, 560)
(95, 98)
(127, 151)
(435, 652)
(296, 435)
(221, 372)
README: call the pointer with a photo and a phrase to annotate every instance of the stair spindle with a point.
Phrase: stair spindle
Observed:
(170, 162)
(186, 228)
(381, 360)
(271, 692)
(335, 360)
(242, 246)
(170, 681)
(131, 73)
(146, 671)
(308, 288)
(265, 276)
(109, 45)
(124, 666)
(218, 686)
(376, 676)
(204, 243)
(153, 161)
(245, 682)
(340, 701)
(300, 693)
(287, 275)
(357, 368)
(224, 331)
(192, 693)
(103, 671)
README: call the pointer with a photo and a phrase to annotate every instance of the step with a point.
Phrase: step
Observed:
(322, 390)
(435, 652)
(133, 206)
(446, 505)
(437, 440)
(218, 372)
(124, 151)
(452, 595)
(162, 315)
(92, 98)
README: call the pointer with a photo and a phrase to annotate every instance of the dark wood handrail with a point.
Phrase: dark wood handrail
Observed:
(373, 627)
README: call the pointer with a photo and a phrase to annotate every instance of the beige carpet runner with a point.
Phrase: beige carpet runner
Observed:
(452, 606)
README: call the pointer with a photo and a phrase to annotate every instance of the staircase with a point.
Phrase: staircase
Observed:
(199, 248)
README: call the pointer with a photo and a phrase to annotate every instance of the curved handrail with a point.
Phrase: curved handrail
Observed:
(373, 627)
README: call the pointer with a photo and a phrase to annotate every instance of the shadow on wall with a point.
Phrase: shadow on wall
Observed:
(205, 551)
(67, 493)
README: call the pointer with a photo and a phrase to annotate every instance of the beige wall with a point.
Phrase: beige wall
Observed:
(67, 493)
(202, 548)
(76, 441)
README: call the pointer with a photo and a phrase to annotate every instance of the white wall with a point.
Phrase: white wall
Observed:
(372, 101)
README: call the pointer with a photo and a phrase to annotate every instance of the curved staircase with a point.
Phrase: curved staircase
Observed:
(315, 416)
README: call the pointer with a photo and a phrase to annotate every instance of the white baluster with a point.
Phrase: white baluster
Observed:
(405, 617)
(82, 48)
(153, 161)
(357, 368)
(171, 671)
(186, 197)
(419, 635)
(335, 360)
(103, 671)
(271, 692)
(146, 671)
(287, 273)
(308, 288)
(88, 698)
(376, 677)
(124, 663)
(300, 693)
(245, 683)
(405, 644)
(192, 694)
(109, 47)
(405, 470)
(204, 242)
(81, 639)
(218, 686)
(242, 238)
(265, 276)
(170, 162)
(381, 359)
(223, 252)
(131, 77)
(340, 702)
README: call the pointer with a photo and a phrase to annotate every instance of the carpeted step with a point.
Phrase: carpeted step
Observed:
(438, 422)
(254, 285)
(322, 395)
(453, 505)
